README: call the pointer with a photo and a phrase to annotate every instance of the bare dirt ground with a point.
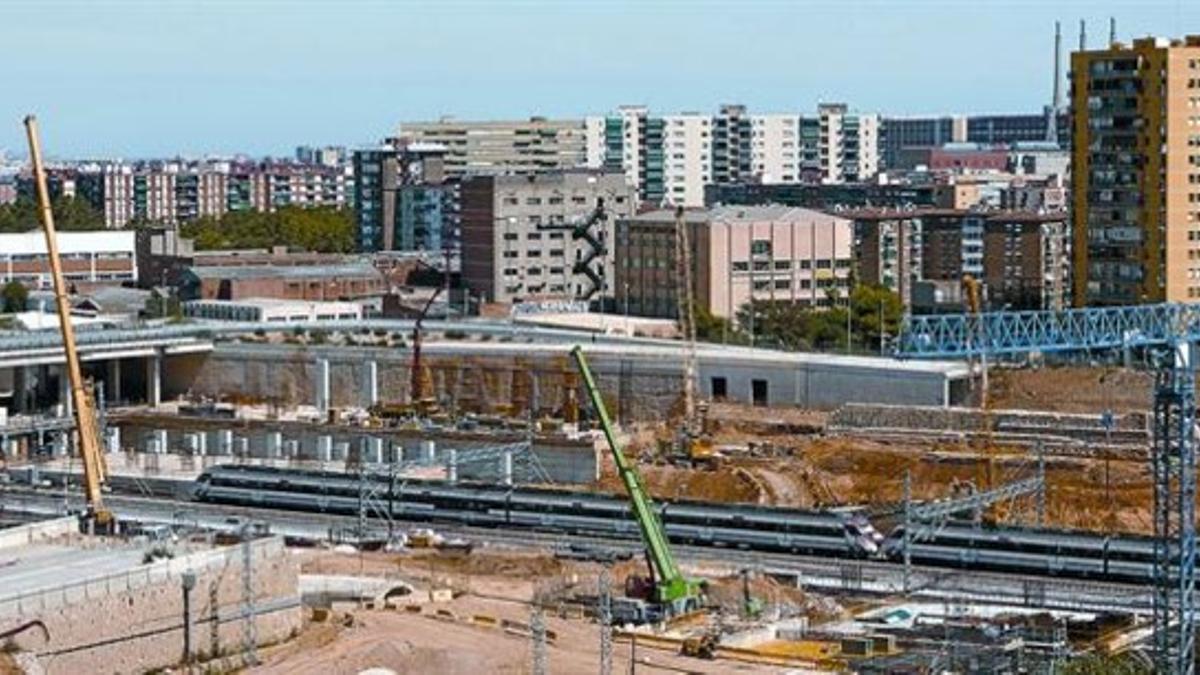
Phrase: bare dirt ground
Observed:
(499, 584)
(835, 472)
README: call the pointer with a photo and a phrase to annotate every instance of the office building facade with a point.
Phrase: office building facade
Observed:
(764, 253)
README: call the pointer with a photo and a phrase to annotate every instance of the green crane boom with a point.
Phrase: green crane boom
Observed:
(673, 590)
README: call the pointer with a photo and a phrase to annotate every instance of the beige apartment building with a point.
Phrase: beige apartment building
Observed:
(503, 147)
(540, 238)
(1135, 197)
(768, 253)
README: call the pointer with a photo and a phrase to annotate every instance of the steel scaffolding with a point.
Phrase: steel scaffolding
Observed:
(1167, 328)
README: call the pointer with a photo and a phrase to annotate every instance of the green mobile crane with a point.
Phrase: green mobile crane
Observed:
(674, 593)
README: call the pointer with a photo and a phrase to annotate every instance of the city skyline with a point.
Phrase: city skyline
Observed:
(190, 78)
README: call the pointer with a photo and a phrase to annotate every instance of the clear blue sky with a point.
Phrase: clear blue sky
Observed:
(160, 77)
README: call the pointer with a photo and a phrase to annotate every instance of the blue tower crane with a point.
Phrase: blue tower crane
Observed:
(1169, 330)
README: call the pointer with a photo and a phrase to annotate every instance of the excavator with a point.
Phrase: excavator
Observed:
(667, 591)
(97, 517)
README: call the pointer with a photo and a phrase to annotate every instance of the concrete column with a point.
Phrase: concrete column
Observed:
(322, 385)
(274, 444)
(114, 381)
(243, 447)
(64, 393)
(201, 443)
(225, 442)
(452, 466)
(192, 443)
(428, 452)
(114, 439)
(154, 379)
(395, 453)
(506, 467)
(161, 436)
(324, 448)
(341, 450)
(293, 449)
(370, 384)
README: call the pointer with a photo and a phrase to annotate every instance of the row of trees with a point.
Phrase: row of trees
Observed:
(320, 229)
(873, 312)
(70, 214)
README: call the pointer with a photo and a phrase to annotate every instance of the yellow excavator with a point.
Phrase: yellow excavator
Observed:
(97, 516)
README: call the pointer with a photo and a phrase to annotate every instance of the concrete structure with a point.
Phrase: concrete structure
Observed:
(87, 257)
(271, 310)
(529, 238)
(642, 379)
(508, 147)
(900, 133)
(766, 253)
(1135, 205)
(312, 282)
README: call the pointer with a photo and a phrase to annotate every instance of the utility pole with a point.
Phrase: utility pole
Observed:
(908, 525)
(249, 630)
(605, 616)
(537, 629)
(188, 583)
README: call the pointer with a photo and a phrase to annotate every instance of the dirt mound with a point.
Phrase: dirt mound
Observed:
(525, 566)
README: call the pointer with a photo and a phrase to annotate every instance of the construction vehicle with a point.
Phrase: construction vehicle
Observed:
(667, 590)
(692, 444)
(84, 408)
(421, 385)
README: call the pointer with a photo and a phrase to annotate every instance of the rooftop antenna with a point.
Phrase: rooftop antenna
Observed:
(1056, 99)
(1082, 35)
(1112, 30)
(1057, 64)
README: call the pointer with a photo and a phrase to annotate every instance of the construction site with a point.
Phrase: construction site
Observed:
(1005, 493)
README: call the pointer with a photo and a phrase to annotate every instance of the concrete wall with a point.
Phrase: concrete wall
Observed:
(40, 531)
(133, 622)
(479, 377)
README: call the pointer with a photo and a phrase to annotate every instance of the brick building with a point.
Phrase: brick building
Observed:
(347, 281)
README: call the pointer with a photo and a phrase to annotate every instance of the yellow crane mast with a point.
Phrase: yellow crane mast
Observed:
(85, 415)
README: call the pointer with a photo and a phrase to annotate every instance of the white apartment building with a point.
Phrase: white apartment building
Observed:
(687, 158)
(775, 148)
(849, 144)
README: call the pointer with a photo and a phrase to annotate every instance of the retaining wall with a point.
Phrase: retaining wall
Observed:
(133, 622)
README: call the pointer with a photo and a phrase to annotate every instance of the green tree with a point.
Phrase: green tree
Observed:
(321, 229)
(876, 313)
(71, 214)
(785, 325)
(712, 328)
(159, 307)
(15, 296)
